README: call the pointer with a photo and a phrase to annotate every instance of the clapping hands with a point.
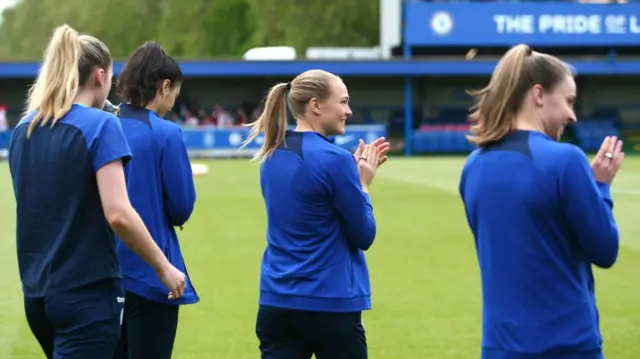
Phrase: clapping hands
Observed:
(368, 158)
(381, 146)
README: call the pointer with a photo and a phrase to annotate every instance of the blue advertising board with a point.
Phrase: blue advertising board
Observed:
(533, 23)
(226, 142)
(215, 142)
(5, 139)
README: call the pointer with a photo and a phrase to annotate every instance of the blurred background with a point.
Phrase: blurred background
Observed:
(408, 65)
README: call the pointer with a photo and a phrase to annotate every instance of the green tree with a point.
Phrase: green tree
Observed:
(303, 24)
(205, 28)
(191, 29)
(121, 24)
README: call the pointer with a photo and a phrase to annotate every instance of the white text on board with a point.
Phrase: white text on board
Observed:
(567, 24)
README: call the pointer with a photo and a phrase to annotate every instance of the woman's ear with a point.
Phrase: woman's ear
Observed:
(165, 88)
(537, 92)
(100, 77)
(314, 105)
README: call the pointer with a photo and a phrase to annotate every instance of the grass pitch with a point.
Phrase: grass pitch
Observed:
(426, 287)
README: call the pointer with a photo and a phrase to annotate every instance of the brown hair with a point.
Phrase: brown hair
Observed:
(68, 62)
(273, 120)
(498, 104)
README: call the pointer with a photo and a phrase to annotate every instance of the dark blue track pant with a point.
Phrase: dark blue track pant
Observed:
(80, 323)
(296, 334)
(148, 330)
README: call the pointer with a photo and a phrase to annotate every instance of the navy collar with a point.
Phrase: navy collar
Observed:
(526, 133)
(134, 109)
(328, 139)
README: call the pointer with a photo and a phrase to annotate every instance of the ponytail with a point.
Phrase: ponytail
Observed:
(273, 122)
(497, 104)
(56, 87)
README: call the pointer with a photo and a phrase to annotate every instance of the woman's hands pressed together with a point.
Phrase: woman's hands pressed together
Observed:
(369, 157)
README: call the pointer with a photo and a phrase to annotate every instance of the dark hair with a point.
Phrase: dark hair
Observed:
(497, 104)
(68, 63)
(145, 70)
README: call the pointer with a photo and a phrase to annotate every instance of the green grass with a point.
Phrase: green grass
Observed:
(425, 279)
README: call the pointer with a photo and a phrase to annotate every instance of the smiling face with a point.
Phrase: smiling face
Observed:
(335, 109)
(319, 100)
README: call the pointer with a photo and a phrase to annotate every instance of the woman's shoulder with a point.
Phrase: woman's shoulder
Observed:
(555, 152)
(332, 154)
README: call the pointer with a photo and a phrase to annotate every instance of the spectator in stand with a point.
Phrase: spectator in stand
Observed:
(183, 110)
(255, 115)
(216, 111)
(175, 118)
(191, 120)
(225, 119)
(203, 118)
(242, 117)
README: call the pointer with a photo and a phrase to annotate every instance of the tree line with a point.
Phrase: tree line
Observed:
(191, 29)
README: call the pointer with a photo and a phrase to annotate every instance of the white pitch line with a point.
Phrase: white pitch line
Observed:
(445, 186)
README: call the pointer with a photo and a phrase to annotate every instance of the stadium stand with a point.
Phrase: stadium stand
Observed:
(424, 107)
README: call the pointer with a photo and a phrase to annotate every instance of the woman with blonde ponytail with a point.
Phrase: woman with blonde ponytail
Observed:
(315, 281)
(66, 160)
(540, 214)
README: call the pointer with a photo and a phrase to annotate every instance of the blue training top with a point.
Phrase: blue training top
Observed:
(161, 189)
(540, 221)
(319, 223)
(63, 238)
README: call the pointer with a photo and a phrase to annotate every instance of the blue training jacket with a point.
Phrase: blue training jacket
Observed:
(161, 189)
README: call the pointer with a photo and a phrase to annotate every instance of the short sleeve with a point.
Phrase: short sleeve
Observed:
(110, 143)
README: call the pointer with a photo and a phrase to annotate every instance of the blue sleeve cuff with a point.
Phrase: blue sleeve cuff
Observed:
(605, 191)
(125, 157)
(367, 199)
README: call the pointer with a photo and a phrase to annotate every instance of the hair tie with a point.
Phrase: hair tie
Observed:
(289, 86)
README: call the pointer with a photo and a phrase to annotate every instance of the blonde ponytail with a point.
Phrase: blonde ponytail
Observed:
(58, 81)
(273, 122)
(498, 104)
(296, 95)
